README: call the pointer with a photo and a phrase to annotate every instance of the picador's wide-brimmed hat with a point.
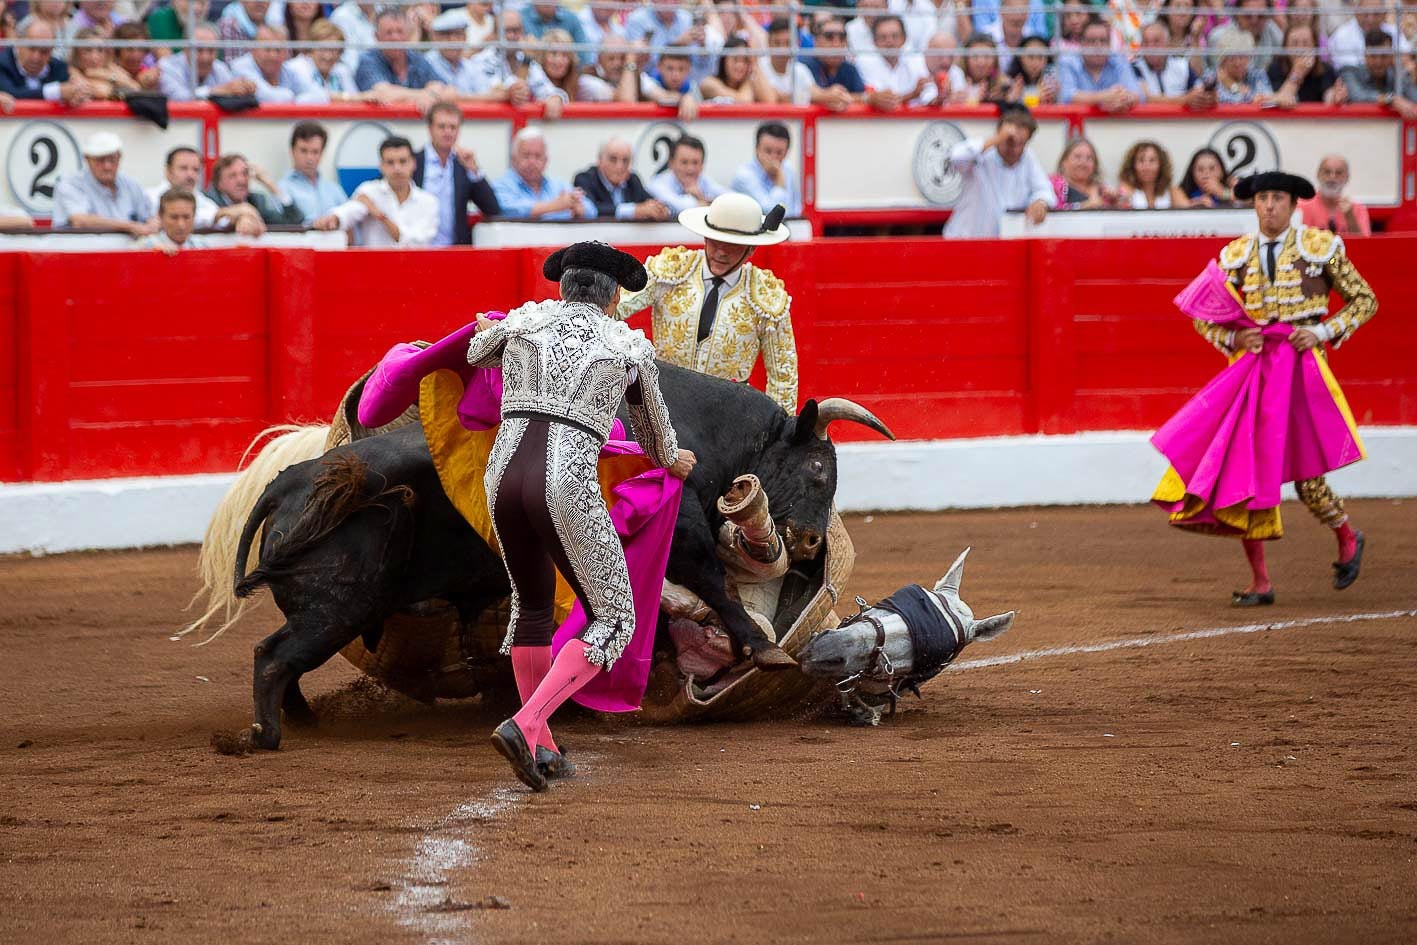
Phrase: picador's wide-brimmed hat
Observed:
(737, 218)
(1274, 180)
(599, 257)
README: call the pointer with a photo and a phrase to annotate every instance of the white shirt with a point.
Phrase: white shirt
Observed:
(730, 281)
(206, 206)
(782, 82)
(923, 19)
(1173, 81)
(900, 78)
(1264, 242)
(416, 217)
(1346, 45)
(859, 38)
(357, 29)
(991, 187)
(312, 88)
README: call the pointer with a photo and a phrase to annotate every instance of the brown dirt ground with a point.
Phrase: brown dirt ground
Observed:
(1254, 788)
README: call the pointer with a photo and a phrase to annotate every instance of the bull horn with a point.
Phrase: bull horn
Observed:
(839, 408)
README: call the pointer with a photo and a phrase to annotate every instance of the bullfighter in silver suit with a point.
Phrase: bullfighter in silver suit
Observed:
(565, 368)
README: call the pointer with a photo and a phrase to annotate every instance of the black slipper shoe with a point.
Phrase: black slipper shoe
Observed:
(554, 765)
(1252, 599)
(507, 738)
(1346, 572)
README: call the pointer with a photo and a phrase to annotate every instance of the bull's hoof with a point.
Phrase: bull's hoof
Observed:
(772, 658)
(266, 737)
(511, 744)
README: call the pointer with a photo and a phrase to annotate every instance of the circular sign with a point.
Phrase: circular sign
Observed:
(357, 154)
(1247, 147)
(937, 181)
(653, 147)
(40, 153)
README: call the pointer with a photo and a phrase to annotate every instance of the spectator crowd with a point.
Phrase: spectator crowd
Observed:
(882, 54)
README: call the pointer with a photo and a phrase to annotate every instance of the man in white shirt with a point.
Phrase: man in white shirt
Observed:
(899, 77)
(176, 218)
(1346, 45)
(999, 174)
(390, 211)
(184, 172)
(684, 184)
(267, 66)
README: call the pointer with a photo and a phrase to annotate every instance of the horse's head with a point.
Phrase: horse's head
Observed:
(901, 641)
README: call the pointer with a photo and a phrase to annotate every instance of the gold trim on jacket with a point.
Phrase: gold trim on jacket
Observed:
(754, 317)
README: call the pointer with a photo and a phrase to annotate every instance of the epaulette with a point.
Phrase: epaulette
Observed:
(767, 293)
(1318, 245)
(673, 264)
(1235, 253)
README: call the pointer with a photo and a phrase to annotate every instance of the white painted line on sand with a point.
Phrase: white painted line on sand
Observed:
(1135, 642)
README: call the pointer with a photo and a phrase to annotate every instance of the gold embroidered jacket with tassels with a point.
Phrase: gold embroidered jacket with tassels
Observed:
(753, 316)
(1311, 263)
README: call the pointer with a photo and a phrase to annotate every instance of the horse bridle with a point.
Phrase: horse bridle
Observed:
(880, 666)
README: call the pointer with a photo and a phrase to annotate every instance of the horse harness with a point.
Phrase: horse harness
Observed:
(934, 641)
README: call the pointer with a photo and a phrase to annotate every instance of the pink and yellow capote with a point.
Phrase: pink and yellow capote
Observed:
(1269, 418)
(460, 409)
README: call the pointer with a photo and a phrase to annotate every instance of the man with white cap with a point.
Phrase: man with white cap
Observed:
(713, 310)
(99, 196)
(449, 63)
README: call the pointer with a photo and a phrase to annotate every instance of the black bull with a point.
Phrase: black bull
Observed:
(365, 530)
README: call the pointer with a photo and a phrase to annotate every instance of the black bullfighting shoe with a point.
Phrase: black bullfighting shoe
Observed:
(554, 765)
(1251, 598)
(1346, 572)
(509, 741)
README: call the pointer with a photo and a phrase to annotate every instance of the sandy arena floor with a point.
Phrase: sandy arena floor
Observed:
(1242, 787)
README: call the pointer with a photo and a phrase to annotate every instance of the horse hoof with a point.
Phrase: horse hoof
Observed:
(260, 738)
(773, 659)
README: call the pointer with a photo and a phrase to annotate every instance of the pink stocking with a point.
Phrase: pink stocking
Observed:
(568, 675)
(1254, 551)
(530, 664)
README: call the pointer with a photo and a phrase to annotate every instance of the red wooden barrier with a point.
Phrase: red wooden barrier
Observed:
(139, 364)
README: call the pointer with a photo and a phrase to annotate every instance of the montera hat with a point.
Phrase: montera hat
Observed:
(598, 257)
(1274, 180)
(737, 218)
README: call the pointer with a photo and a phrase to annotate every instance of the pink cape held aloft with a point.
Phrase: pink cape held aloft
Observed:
(644, 512)
(1268, 418)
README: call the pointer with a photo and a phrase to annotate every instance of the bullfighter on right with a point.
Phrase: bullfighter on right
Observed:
(1276, 414)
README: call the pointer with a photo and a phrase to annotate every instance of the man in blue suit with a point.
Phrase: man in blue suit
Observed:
(32, 71)
(450, 174)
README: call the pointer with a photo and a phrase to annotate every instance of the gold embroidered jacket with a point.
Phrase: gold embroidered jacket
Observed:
(753, 316)
(1310, 264)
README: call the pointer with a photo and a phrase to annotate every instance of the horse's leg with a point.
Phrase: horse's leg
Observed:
(297, 711)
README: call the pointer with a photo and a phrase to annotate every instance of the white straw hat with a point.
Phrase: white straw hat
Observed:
(736, 218)
(102, 144)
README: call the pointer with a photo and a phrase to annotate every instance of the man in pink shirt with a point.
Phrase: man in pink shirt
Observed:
(1330, 208)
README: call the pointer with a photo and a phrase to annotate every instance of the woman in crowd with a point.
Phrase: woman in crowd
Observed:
(739, 80)
(1072, 17)
(1205, 182)
(1303, 76)
(322, 76)
(722, 23)
(982, 82)
(1236, 79)
(1146, 179)
(1033, 79)
(1078, 183)
(563, 68)
(300, 16)
(95, 64)
(98, 14)
(136, 61)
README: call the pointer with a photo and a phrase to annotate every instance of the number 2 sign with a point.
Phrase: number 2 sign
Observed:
(40, 153)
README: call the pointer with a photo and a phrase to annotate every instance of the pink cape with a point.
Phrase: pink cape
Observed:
(1265, 420)
(644, 513)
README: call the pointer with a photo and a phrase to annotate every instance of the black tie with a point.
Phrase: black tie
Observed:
(710, 308)
(1271, 248)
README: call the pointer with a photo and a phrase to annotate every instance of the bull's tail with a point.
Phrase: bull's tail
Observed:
(222, 547)
(339, 491)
